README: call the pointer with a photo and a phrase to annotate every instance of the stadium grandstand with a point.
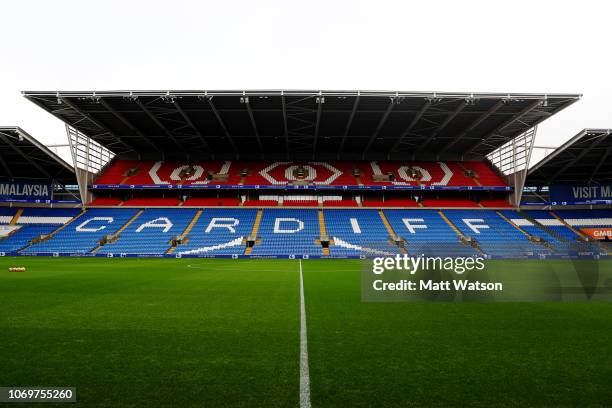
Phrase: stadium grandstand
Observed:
(37, 190)
(305, 174)
(583, 161)
(23, 158)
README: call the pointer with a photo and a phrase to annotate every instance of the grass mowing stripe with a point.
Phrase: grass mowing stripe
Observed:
(446, 354)
(304, 373)
(150, 332)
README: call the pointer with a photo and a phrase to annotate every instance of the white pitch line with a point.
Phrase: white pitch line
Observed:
(304, 373)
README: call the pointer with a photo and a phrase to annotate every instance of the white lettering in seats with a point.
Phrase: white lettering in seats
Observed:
(412, 227)
(165, 223)
(82, 228)
(299, 225)
(470, 222)
(228, 223)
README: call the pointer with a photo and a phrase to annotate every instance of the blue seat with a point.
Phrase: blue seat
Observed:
(24, 235)
(550, 223)
(288, 232)
(363, 231)
(151, 232)
(223, 231)
(496, 236)
(84, 234)
(428, 234)
(33, 223)
(219, 232)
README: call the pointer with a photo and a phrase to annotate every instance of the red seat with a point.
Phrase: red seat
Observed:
(340, 203)
(450, 203)
(336, 173)
(115, 172)
(395, 202)
(106, 201)
(300, 203)
(485, 174)
(260, 203)
(152, 202)
(211, 202)
(496, 203)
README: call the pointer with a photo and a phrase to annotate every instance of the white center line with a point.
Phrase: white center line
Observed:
(304, 373)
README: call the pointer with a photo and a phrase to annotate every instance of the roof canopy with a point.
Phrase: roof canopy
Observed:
(23, 157)
(299, 125)
(583, 159)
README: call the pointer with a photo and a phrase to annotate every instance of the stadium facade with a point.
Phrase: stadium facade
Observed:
(305, 174)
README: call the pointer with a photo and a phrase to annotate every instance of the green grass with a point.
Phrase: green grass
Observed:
(453, 354)
(146, 332)
(136, 332)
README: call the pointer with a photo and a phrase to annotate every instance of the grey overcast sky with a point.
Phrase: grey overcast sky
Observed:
(479, 46)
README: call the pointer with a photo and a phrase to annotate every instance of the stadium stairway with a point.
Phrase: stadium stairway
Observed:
(546, 237)
(186, 231)
(254, 231)
(562, 221)
(31, 225)
(426, 232)
(584, 238)
(461, 236)
(288, 232)
(358, 180)
(323, 231)
(529, 216)
(515, 225)
(23, 237)
(578, 219)
(115, 236)
(79, 215)
(499, 237)
(153, 232)
(387, 225)
(451, 224)
(16, 217)
(495, 236)
(563, 239)
(357, 232)
(219, 231)
(350, 232)
(54, 232)
(93, 225)
(473, 178)
(399, 242)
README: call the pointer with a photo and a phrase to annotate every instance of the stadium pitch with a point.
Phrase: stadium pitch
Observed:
(193, 332)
